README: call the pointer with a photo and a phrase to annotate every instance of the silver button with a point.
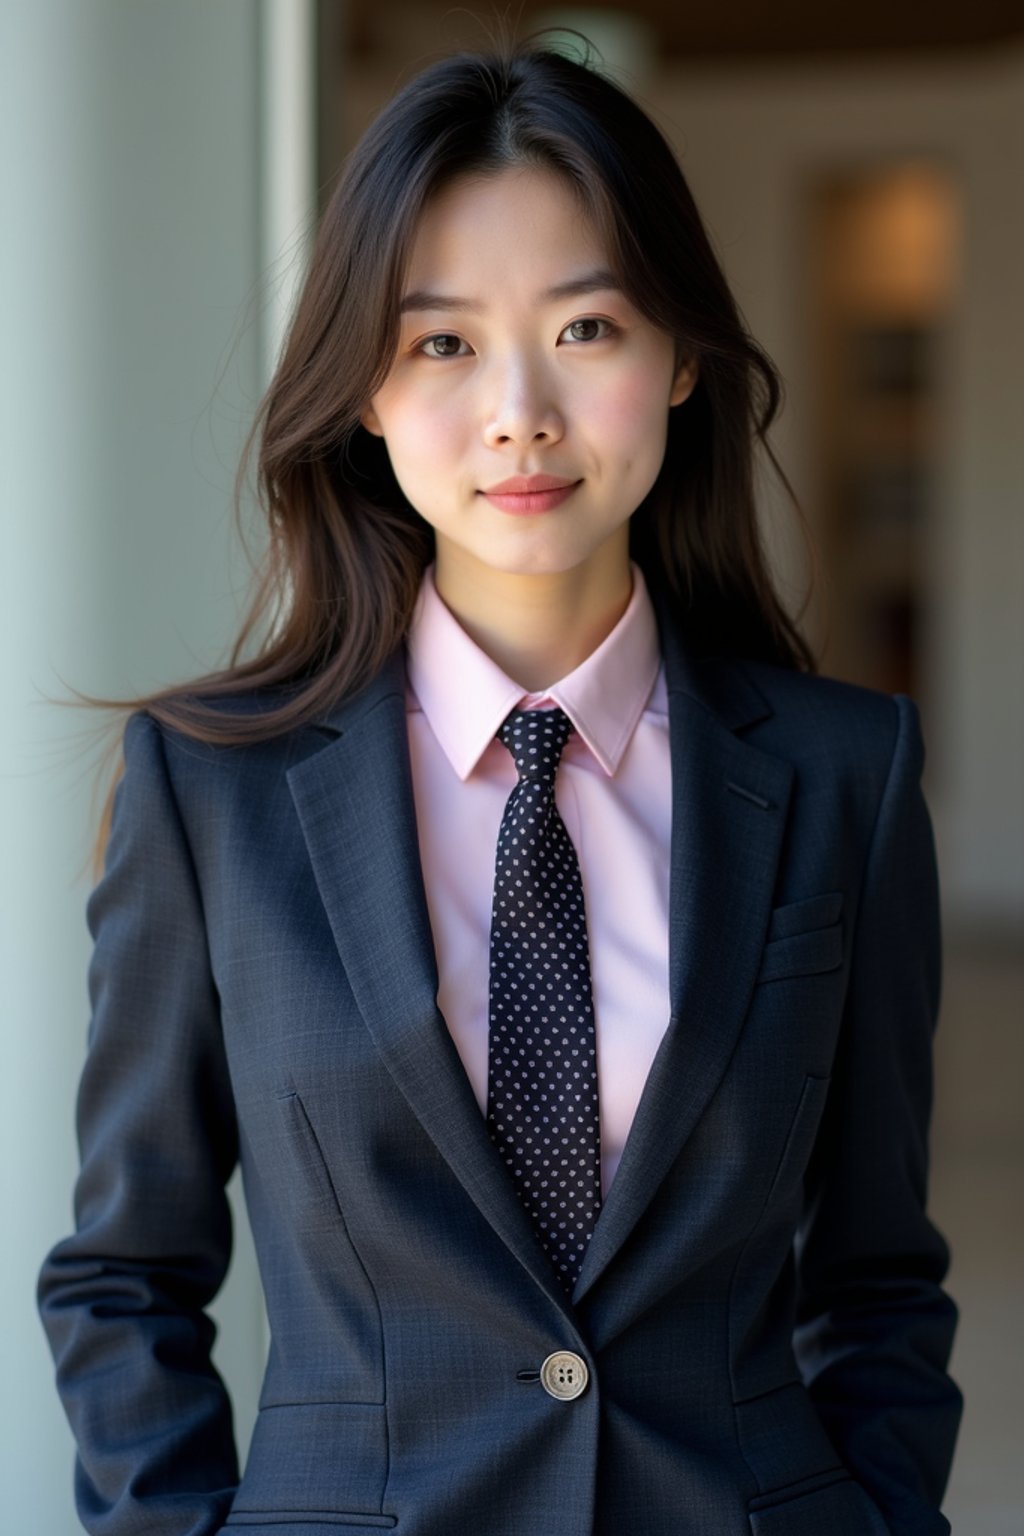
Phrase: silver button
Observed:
(564, 1374)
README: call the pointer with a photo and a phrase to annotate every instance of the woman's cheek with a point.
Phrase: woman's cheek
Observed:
(632, 413)
(428, 433)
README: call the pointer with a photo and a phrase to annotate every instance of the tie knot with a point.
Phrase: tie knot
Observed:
(535, 738)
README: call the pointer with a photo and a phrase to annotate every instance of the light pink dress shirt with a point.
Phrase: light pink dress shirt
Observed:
(614, 793)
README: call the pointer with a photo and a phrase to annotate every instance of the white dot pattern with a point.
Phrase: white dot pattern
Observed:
(542, 1106)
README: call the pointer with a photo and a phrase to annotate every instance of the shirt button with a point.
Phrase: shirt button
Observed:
(564, 1375)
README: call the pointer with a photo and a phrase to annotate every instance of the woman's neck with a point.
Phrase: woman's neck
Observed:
(536, 627)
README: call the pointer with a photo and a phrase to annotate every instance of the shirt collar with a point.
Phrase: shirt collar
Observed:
(604, 696)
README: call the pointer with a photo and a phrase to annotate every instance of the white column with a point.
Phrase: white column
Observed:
(288, 159)
(136, 233)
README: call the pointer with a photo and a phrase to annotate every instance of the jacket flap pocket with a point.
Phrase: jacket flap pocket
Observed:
(316, 1461)
(803, 916)
(803, 954)
(281, 1524)
(843, 1508)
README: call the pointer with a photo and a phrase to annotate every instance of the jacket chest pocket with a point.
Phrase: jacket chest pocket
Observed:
(804, 938)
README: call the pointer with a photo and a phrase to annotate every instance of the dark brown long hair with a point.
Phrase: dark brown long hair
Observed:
(347, 550)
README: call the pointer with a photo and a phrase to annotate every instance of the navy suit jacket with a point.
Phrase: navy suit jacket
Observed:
(760, 1308)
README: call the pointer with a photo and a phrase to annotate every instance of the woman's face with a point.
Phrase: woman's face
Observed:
(523, 376)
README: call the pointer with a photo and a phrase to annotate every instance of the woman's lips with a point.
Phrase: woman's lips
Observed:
(530, 501)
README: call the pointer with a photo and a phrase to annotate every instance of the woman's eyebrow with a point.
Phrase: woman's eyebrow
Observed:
(587, 282)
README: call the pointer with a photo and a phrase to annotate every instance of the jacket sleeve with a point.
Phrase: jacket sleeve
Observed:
(875, 1327)
(122, 1300)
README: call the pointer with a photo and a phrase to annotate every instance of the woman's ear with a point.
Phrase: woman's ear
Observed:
(368, 417)
(685, 381)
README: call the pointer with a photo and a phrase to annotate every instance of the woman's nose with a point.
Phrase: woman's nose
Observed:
(522, 407)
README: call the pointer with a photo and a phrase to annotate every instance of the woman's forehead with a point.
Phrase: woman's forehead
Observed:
(524, 225)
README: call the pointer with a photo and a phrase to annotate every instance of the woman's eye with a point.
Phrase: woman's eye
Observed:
(580, 331)
(447, 346)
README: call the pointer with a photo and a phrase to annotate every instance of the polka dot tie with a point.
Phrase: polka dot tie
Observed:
(542, 1109)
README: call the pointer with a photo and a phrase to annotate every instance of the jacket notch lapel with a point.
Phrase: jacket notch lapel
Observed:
(356, 807)
(729, 808)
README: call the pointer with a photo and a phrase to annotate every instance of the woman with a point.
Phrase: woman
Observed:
(559, 956)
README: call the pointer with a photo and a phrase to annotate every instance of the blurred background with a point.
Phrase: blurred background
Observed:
(861, 172)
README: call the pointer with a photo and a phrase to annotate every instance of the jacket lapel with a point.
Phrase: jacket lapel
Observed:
(729, 801)
(729, 805)
(355, 804)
